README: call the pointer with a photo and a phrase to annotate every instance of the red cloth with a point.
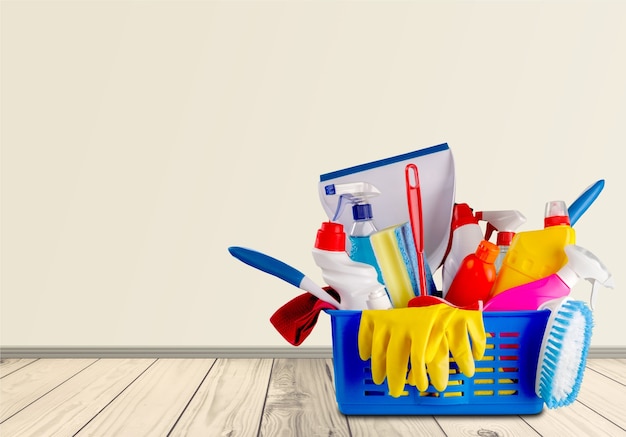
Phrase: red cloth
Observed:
(296, 319)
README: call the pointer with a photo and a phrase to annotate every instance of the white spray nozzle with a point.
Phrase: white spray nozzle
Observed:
(354, 193)
(582, 263)
(504, 221)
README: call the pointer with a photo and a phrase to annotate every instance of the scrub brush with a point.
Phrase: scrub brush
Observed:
(563, 353)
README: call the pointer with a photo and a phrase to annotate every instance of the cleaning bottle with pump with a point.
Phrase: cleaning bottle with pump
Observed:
(355, 282)
(581, 264)
(475, 277)
(505, 223)
(358, 194)
(536, 254)
(466, 235)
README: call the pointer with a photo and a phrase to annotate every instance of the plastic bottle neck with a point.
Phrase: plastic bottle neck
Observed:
(568, 276)
(363, 228)
(487, 252)
(362, 211)
(504, 238)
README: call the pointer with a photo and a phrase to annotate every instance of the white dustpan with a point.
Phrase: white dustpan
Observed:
(437, 183)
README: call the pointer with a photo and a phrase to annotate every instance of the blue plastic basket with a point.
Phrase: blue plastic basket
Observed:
(504, 382)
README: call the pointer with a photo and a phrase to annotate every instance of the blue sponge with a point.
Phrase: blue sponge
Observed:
(406, 244)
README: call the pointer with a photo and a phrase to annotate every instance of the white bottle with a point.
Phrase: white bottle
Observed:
(466, 236)
(354, 281)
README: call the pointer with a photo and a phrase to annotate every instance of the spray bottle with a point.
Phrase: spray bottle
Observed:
(355, 282)
(466, 235)
(358, 194)
(536, 254)
(581, 264)
(505, 223)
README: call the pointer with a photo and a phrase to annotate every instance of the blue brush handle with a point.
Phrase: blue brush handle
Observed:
(584, 201)
(268, 264)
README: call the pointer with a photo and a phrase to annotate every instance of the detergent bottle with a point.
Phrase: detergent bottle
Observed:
(581, 264)
(475, 277)
(354, 281)
(536, 254)
(505, 223)
(466, 235)
(358, 194)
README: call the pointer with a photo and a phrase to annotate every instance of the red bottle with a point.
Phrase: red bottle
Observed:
(476, 275)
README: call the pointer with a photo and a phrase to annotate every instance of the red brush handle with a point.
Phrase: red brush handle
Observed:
(414, 201)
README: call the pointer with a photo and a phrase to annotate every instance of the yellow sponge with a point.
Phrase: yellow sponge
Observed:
(392, 266)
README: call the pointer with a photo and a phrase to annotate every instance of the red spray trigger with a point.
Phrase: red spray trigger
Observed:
(489, 230)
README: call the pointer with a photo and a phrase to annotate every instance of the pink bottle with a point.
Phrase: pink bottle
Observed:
(475, 277)
(529, 297)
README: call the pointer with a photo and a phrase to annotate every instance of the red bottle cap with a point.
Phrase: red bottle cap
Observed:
(331, 237)
(487, 251)
(556, 214)
(504, 238)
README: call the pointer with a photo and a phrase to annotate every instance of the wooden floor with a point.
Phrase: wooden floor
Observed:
(255, 397)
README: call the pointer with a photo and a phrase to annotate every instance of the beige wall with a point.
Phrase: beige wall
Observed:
(141, 139)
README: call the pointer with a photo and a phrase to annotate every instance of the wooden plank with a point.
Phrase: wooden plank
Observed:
(394, 426)
(22, 388)
(510, 426)
(604, 396)
(230, 400)
(68, 408)
(301, 400)
(10, 365)
(575, 419)
(153, 403)
(613, 368)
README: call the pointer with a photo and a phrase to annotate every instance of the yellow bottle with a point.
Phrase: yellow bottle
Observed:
(536, 254)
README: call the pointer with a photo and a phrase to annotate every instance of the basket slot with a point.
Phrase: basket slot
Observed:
(373, 393)
(377, 391)
(446, 394)
(509, 334)
(507, 381)
(496, 384)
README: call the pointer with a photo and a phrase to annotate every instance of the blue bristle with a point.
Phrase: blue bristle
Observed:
(558, 336)
(561, 320)
(556, 389)
(553, 347)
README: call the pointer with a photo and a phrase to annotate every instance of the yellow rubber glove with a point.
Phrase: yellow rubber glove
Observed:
(438, 363)
(459, 326)
(391, 337)
(463, 326)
